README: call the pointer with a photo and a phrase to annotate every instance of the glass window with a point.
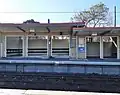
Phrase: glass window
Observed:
(107, 39)
(93, 39)
(60, 37)
(37, 37)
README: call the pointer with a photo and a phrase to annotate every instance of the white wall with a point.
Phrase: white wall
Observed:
(37, 43)
(13, 43)
(56, 43)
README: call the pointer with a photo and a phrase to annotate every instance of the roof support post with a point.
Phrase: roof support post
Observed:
(101, 47)
(25, 46)
(2, 45)
(70, 45)
(49, 46)
(49, 42)
(118, 47)
(24, 42)
(81, 47)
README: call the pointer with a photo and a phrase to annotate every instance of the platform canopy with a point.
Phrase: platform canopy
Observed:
(100, 31)
(39, 27)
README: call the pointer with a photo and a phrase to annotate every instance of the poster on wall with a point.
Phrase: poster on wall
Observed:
(81, 49)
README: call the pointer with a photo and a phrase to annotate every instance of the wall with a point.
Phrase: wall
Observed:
(89, 69)
(14, 46)
(37, 43)
(13, 43)
(38, 46)
(107, 47)
(60, 43)
(93, 49)
(60, 48)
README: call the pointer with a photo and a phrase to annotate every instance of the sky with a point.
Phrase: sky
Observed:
(9, 6)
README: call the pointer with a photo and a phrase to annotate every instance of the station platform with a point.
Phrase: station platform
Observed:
(46, 60)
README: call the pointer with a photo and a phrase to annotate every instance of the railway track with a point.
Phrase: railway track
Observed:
(61, 81)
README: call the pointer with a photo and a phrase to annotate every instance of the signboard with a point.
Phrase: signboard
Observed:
(81, 49)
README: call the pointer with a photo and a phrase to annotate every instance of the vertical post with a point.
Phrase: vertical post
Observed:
(76, 47)
(114, 16)
(1, 50)
(25, 46)
(49, 42)
(118, 47)
(101, 47)
(70, 46)
(0, 44)
(3, 45)
(85, 48)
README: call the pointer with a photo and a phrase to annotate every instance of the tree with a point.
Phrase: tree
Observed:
(96, 15)
(30, 21)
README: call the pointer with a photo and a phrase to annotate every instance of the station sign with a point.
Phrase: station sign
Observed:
(81, 49)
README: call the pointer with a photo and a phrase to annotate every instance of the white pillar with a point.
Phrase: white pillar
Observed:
(101, 47)
(118, 47)
(76, 47)
(25, 46)
(70, 46)
(0, 50)
(49, 46)
(2, 45)
(85, 48)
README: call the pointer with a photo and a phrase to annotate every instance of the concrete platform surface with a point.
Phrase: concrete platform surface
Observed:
(46, 92)
(95, 61)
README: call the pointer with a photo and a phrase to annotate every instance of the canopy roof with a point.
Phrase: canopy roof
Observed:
(39, 27)
(98, 30)
(77, 28)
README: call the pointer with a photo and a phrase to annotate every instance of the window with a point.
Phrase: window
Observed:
(37, 37)
(93, 39)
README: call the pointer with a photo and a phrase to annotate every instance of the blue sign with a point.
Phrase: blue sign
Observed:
(81, 49)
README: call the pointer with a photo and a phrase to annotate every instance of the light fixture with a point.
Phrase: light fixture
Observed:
(32, 30)
(94, 34)
(60, 37)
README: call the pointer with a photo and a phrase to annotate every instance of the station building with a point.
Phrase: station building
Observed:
(59, 40)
